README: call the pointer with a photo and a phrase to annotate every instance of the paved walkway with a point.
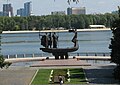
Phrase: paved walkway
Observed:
(96, 73)
(16, 76)
(101, 74)
(63, 62)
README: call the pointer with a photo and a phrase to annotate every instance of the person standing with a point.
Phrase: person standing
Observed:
(55, 40)
(49, 40)
(46, 40)
(74, 40)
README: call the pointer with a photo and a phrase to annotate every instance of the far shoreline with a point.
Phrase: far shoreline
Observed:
(79, 30)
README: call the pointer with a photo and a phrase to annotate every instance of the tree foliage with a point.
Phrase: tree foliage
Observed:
(56, 21)
(115, 46)
(3, 63)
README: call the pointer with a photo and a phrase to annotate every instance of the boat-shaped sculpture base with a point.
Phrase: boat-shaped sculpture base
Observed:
(60, 53)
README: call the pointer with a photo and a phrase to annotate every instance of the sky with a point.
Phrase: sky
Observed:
(45, 7)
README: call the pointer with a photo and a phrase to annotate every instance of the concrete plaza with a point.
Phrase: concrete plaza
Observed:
(97, 74)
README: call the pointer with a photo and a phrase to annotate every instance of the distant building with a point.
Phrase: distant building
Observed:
(58, 13)
(7, 10)
(76, 10)
(1, 13)
(114, 12)
(69, 11)
(27, 8)
(20, 12)
(26, 11)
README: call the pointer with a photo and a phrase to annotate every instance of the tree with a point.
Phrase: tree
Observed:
(115, 47)
(110, 18)
(87, 21)
(81, 22)
(55, 21)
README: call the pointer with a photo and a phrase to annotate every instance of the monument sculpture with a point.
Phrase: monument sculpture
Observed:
(59, 53)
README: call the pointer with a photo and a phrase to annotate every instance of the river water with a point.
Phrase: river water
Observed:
(29, 43)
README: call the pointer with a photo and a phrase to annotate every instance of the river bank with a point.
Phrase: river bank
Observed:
(9, 32)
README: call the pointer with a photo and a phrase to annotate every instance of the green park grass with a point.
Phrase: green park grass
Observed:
(77, 76)
(42, 77)
(58, 72)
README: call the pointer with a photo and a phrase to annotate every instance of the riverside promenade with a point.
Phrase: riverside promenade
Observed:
(97, 73)
(52, 58)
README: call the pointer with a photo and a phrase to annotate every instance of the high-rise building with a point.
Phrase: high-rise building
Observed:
(26, 11)
(20, 12)
(69, 11)
(1, 13)
(27, 8)
(76, 10)
(7, 10)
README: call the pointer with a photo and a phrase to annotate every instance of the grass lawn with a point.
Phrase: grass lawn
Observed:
(42, 77)
(58, 72)
(76, 76)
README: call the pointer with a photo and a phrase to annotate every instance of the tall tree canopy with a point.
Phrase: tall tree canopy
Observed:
(56, 21)
(115, 47)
